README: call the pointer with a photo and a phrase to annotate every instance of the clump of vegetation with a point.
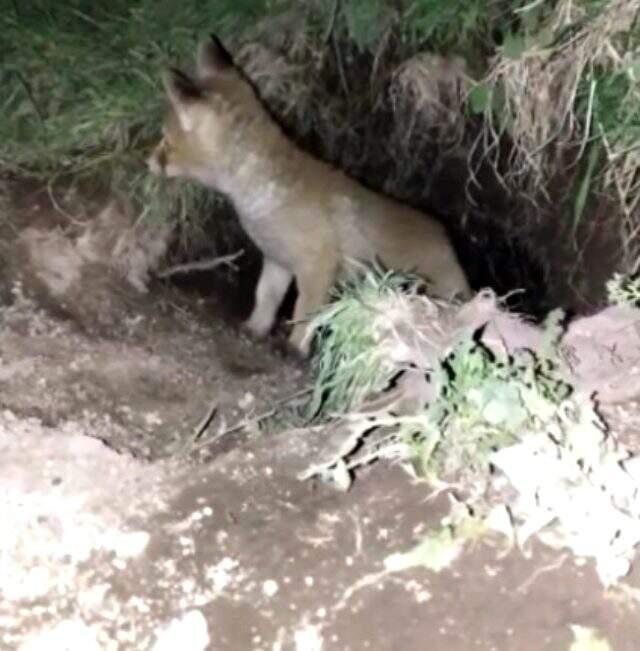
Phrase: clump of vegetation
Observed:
(481, 411)
(624, 290)
(485, 402)
(349, 364)
(564, 87)
(479, 401)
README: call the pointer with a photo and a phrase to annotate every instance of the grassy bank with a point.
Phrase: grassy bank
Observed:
(554, 84)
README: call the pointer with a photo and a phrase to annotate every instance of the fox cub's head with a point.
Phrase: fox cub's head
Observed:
(205, 113)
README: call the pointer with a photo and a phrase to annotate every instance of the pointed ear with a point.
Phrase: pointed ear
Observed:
(180, 87)
(213, 58)
(182, 92)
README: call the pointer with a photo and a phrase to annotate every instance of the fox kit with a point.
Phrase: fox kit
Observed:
(308, 218)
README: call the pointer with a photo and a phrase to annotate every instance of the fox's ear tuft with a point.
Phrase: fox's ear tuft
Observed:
(180, 87)
(213, 58)
(182, 92)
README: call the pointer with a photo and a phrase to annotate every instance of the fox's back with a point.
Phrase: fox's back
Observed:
(367, 224)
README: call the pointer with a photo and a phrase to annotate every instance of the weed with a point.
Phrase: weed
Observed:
(624, 290)
(485, 403)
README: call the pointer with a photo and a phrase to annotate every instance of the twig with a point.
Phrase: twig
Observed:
(330, 39)
(30, 96)
(587, 122)
(234, 428)
(199, 429)
(57, 207)
(202, 265)
(541, 570)
(332, 22)
(292, 396)
(245, 421)
(341, 72)
(204, 424)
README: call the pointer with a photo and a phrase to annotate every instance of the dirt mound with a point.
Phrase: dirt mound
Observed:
(242, 555)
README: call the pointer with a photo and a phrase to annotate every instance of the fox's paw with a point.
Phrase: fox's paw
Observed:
(299, 342)
(255, 330)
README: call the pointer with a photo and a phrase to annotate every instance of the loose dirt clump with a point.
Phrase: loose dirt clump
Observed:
(90, 273)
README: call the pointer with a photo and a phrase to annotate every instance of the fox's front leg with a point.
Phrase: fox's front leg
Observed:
(314, 285)
(270, 292)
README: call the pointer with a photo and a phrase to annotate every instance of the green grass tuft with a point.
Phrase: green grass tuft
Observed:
(350, 365)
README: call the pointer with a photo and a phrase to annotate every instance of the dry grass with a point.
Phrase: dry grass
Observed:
(430, 89)
(571, 84)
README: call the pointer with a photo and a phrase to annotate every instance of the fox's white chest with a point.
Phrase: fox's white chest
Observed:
(260, 202)
(255, 195)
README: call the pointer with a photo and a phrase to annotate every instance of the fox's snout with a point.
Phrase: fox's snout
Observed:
(153, 165)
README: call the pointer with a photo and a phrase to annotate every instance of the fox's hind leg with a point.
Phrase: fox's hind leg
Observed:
(272, 286)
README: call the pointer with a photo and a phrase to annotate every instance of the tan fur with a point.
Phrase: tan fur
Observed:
(308, 218)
